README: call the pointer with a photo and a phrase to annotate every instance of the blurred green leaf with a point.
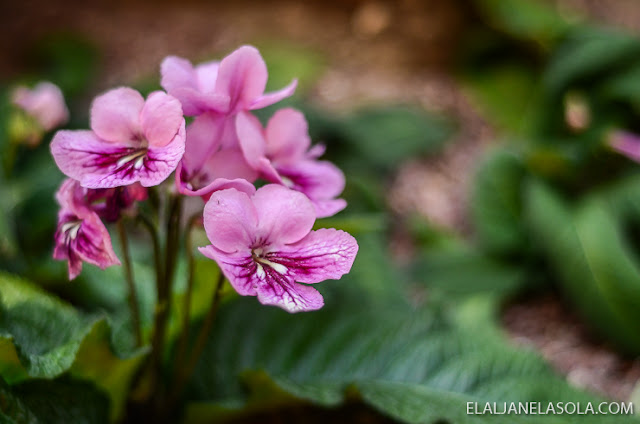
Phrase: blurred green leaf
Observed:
(587, 55)
(416, 366)
(525, 19)
(462, 271)
(42, 337)
(584, 249)
(60, 401)
(497, 203)
(384, 136)
(505, 93)
(286, 62)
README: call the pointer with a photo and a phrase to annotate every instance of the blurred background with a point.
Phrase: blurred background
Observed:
(476, 136)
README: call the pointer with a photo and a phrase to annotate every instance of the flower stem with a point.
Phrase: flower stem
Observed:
(186, 308)
(128, 273)
(199, 345)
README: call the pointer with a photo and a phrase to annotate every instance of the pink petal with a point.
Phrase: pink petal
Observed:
(626, 143)
(45, 103)
(242, 76)
(251, 139)
(287, 135)
(271, 287)
(115, 115)
(274, 97)
(321, 181)
(99, 164)
(161, 118)
(322, 255)
(284, 216)
(291, 297)
(204, 138)
(207, 75)
(177, 73)
(230, 221)
(239, 269)
(162, 161)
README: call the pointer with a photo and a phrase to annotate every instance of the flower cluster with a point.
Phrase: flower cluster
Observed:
(261, 239)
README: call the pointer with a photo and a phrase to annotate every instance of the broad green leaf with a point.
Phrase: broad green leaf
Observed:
(526, 19)
(463, 270)
(417, 366)
(587, 55)
(583, 248)
(42, 337)
(60, 401)
(497, 203)
(382, 137)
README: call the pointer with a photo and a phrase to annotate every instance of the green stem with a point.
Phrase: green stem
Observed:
(199, 345)
(186, 308)
(156, 246)
(164, 290)
(128, 273)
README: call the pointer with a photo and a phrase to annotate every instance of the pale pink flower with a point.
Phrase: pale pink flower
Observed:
(234, 84)
(265, 247)
(282, 153)
(131, 140)
(626, 143)
(44, 102)
(80, 235)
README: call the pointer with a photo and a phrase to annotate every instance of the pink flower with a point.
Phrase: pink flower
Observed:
(44, 102)
(626, 143)
(236, 83)
(131, 140)
(80, 236)
(282, 153)
(207, 166)
(265, 247)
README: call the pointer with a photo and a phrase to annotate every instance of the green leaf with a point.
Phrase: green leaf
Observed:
(42, 337)
(526, 19)
(497, 203)
(462, 270)
(384, 136)
(60, 401)
(504, 92)
(595, 268)
(588, 55)
(416, 366)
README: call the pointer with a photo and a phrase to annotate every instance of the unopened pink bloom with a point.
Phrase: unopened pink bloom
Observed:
(234, 84)
(282, 153)
(44, 102)
(110, 203)
(265, 247)
(80, 236)
(626, 143)
(131, 140)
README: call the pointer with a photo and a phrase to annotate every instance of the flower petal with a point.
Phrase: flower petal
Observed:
(274, 97)
(323, 254)
(287, 135)
(45, 103)
(243, 77)
(207, 75)
(177, 73)
(251, 138)
(321, 181)
(249, 278)
(284, 216)
(115, 115)
(239, 268)
(99, 164)
(291, 297)
(230, 221)
(161, 118)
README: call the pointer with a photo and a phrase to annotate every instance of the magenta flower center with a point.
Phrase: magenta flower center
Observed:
(261, 260)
